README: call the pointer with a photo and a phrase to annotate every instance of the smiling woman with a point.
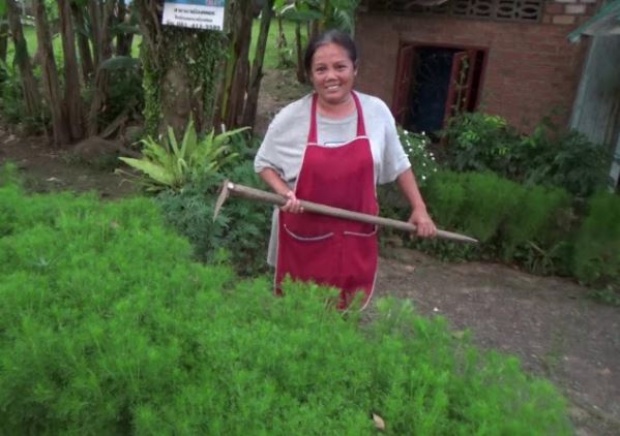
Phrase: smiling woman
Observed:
(333, 146)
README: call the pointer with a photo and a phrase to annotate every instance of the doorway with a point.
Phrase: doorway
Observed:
(433, 83)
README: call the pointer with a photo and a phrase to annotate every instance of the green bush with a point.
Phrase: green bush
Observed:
(548, 156)
(489, 199)
(597, 249)
(241, 230)
(565, 159)
(170, 163)
(445, 197)
(13, 105)
(474, 203)
(529, 225)
(476, 141)
(422, 160)
(537, 219)
(107, 327)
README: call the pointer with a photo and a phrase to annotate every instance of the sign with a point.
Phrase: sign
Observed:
(194, 14)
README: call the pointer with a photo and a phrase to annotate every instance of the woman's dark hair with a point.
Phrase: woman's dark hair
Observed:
(333, 36)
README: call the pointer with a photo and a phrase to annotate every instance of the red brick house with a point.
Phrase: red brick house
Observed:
(507, 57)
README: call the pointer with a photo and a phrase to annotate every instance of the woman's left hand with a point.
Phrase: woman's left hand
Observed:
(423, 222)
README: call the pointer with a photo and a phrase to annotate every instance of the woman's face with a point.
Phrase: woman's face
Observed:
(332, 73)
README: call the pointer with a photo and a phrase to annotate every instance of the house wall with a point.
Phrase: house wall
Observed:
(532, 70)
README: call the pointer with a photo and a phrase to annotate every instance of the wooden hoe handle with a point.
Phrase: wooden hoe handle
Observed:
(308, 206)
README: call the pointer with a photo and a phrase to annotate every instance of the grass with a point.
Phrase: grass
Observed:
(271, 55)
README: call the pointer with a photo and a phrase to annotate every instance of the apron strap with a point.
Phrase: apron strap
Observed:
(312, 133)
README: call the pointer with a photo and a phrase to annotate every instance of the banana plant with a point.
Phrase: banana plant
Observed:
(169, 165)
(316, 16)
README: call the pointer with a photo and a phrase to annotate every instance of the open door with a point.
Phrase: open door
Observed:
(402, 84)
(460, 91)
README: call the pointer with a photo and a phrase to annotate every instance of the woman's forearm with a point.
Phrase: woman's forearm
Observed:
(275, 182)
(409, 187)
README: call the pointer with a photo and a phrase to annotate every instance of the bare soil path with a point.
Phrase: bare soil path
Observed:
(548, 323)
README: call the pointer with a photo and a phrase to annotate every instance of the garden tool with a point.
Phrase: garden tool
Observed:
(247, 192)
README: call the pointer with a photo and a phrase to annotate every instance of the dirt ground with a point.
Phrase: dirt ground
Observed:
(548, 323)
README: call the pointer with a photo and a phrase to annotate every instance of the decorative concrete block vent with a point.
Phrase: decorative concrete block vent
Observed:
(568, 12)
(560, 12)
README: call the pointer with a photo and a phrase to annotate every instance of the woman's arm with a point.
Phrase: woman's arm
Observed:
(419, 216)
(275, 182)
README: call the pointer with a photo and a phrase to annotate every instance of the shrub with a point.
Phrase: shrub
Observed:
(170, 164)
(476, 141)
(537, 219)
(13, 105)
(526, 224)
(566, 159)
(446, 196)
(422, 160)
(391, 200)
(489, 199)
(241, 230)
(597, 249)
(107, 327)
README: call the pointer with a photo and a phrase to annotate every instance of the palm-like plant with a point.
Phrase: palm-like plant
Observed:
(170, 165)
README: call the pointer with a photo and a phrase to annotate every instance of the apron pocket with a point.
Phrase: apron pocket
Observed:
(307, 238)
(308, 257)
(363, 234)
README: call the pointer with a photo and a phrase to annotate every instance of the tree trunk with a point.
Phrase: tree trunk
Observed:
(51, 85)
(86, 57)
(176, 89)
(32, 99)
(4, 40)
(95, 29)
(101, 75)
(315, 27)
(123, 40)
(242, 70)
(73, 98)
(236, 78)
(251, 103)
(301, 73)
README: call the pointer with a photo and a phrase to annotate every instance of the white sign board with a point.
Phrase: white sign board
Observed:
(194, 14)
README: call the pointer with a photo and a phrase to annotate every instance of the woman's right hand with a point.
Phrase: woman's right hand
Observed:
(292, 204)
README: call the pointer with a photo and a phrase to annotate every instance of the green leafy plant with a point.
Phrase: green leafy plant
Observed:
(12, 105)
(535, 219)
(597, 253)
(108, 327)
(241, 229)
(476, 141)
(565, 159)
(168, 164)
(548, 156)
(606, 295)
(422, 159)
(483, 218)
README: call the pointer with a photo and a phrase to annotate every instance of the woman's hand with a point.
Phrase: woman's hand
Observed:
(292, 204)
(423, 222)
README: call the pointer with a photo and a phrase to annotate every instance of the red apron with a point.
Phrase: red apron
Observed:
(326, 250)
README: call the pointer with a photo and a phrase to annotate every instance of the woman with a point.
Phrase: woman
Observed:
(333, 147)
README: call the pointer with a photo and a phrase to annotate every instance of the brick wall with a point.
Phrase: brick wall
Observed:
(532, 70)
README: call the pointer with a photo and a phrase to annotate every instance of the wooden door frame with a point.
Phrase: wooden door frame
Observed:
(402, 43)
